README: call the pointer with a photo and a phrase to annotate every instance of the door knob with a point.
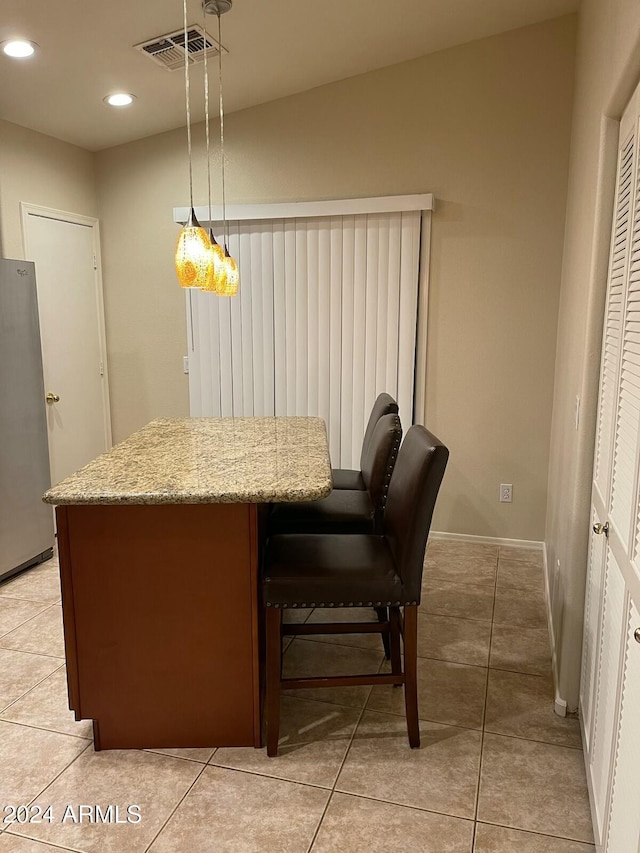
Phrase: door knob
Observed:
(601, 528)
(52, 398)
(636, 635)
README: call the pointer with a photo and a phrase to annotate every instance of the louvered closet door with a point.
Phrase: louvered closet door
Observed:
(624, 825)
(613, 562)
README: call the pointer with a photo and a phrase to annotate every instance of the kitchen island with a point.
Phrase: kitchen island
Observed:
(159, 543)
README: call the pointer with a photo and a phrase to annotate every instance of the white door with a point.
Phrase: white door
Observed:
(614, 561)
(66, 255)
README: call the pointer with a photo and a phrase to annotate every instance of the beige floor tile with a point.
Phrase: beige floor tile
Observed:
(30, 759)
(156, 783)
(522, 706)
(448, 693)
(47, 707)
(497, 839)
(307, 658)
(231, 812)
(16, 611)
(520, 649)
(356, 825)
(10, 843)
(464, 600)
(524, 608)
(346, 614)
(513, 574)
(452, 639)
(296, 614)
(453, 547)
(202, 756)
(441, 776)
(41, 583)
(526, 555)
(20, 671)
(537, 787)
(461, 568)
(41, 635)
(314, 738)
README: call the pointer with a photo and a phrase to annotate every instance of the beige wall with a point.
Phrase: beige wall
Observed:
(485, 126)
(607, 70)
(40, 170)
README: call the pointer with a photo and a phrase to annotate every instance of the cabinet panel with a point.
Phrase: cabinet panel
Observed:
(613, 618)
(592, 619)
(624, 827)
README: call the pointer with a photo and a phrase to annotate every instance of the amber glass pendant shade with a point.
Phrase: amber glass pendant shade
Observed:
(218, 276)
(232, 275)
(194, 258)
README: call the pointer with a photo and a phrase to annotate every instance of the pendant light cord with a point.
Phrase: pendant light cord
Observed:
(224, 205)
(188, 99)
(206, 109)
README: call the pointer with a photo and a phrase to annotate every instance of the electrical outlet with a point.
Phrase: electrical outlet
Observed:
(506, 493)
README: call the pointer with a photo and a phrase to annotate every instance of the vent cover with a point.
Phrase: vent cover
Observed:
(168, 50)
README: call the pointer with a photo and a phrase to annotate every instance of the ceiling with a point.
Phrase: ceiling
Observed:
(276, 48)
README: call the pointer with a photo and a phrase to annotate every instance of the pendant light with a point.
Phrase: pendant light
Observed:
(216, 283)
(194, 258)
(231, 274)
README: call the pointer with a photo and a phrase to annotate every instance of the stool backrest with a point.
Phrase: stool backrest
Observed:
(384, 405)
(411, 499)
(379, 460)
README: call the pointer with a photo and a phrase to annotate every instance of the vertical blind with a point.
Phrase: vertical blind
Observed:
(325, 319)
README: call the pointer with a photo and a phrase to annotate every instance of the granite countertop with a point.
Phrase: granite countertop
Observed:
(207, 460)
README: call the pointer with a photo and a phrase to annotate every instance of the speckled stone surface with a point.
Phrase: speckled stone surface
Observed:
(207, 460)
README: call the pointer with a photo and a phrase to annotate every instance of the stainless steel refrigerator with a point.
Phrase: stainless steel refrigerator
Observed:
(26, 524)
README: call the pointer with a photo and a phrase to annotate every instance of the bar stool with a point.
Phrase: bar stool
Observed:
(348, 510)
(361, 570)
(344, 478)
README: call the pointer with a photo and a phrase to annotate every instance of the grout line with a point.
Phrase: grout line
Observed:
(536, 740)
(6, 708)
(42, 844)
(177, 806)
(484, 712)
(520, 672)
(50, 731)
(263, 775)
(342, 763)
(317, 830)
(46, 606)
(537, 832)
(48, 785)
(373, 799)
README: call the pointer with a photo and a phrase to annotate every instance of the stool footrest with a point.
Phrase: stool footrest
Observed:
(342, 681)
(293, 629)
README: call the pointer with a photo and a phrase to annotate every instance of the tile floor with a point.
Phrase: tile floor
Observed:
(497, 771)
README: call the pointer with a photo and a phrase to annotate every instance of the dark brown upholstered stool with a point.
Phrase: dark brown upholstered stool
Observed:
(363, 570)
(345, 478)
(348, 511)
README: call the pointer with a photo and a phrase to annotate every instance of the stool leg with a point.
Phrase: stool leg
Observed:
(411, 673)
(273, 624)
(394, 637)
(383, 616)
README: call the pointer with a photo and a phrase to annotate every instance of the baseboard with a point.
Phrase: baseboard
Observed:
(488, 540)
(559, 704)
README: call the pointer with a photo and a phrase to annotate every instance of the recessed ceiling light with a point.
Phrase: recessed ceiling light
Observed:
(119, 99)
(19, 49)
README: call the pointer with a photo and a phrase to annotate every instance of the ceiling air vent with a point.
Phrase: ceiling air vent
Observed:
(168, 50)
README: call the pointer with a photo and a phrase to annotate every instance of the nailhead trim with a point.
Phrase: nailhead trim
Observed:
(342, 604)
(392, 460)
